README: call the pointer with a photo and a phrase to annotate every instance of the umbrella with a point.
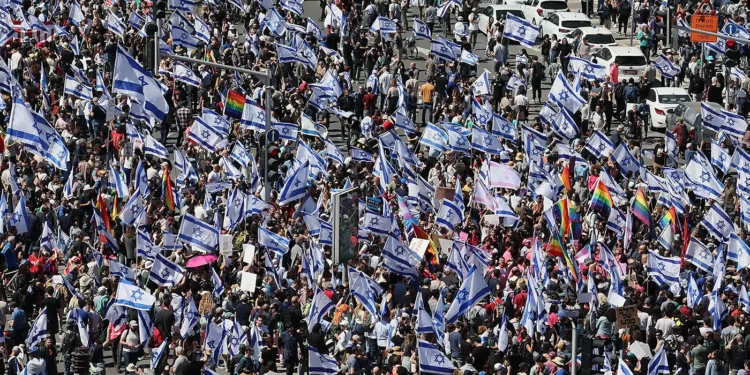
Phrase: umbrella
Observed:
(200, 260)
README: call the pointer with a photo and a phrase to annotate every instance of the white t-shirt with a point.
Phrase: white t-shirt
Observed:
(666, 326)
(473, 26)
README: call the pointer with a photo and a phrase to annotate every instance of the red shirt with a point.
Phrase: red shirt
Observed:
(369, 101)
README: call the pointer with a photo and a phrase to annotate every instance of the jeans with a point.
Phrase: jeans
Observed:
(473, 38)
(536, 88)
(645, 51)
(564, 62)
(356, 69)
(67, 363)
(427, 107)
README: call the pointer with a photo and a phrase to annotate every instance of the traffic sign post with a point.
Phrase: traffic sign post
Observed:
(704, 22)
(272, 136)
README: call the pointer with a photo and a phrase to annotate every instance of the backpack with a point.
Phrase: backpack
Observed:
(538, 70)
(620, 92)
(631, 93)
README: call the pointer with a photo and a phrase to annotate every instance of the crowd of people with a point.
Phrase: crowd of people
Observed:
(492, 230)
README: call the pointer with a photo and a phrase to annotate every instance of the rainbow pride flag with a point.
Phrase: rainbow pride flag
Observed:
(235, 104)
(601, 200)
(576, 228)
(557, 248)
(561, 212)
(669, 218)
(565, 177)
(640, 208)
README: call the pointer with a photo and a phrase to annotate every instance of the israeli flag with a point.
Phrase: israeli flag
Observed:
(75, 14)
(320, 307)
(179, 19)
(361, 155)
(665, 67)
(481, 85)
(563, 123)
(587, 69)
(694, 295)
(469, 58)
(457, 263)
(663, 270)
(132, 79)
(117, 183)
(712, 118)
(384, 25)
(432, 360)
(310, 128)
(181, 37)
(19, 219)
(482, 113)
(205, 135)
(235, 209)
(144, 246)
(133, 209)
(698, 254)
(401, 120)
(473, 289)
(435, 138)
(734, 124)
(397, 258)
(484, 141)
(135, 21)
(191, 318)
(198, 234)
(293, 6)
(272, 241)
(720, 46)
(202, 31)
(115, 25)
(563, 95)
(362, 291)
(503, 128)
(185, 75)
(720, 157)
(296, 186)
(240, 155)
(318, 163)
(377, 224)
(216, 121)
(165, 273)
(134, 297)
(700, 177)
(420, 29)
(333, 152)
(38, 330)
(718, 223)
(442, 50)
(274, 23)
(457, 141)
(253, 117)
(77, 89)
(316, 31)
(153, 147)
(738, 74)
(520, 30)
(599, 145)
(626, 162)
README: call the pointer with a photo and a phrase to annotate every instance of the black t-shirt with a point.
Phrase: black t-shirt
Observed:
(242, 312)
(481, 354)
(441, 85)
(52, 305)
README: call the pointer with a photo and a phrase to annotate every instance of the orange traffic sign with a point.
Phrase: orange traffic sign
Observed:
(704, 22)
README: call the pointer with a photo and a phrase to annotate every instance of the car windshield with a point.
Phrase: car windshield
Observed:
(600, 38)
(555, 5)
(576, 24)
(630, 60)
(516, 12)
(672, 99)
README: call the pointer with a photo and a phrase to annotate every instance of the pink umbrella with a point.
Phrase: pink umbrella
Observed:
(200, 260)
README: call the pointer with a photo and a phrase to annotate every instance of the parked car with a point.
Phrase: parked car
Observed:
(536, 10)
(630, 60)
(598, 37)
(690, 113)
(489, 14)
(663, 100)
(563, 23)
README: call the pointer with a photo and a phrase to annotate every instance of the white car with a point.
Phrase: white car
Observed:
(535, 10)
(598, 37)
(562, 23)
(630, 61)
(663, 100)
(488, 15)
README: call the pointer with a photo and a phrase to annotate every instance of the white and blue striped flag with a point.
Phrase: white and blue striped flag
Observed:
(694, 295)
(734, 124)
(190, 319)
(666, 67)
(240, 155)
(311, 128)
(272, 241)
(198, 234)
(77, 89)
(718, 223)
(360, 155)
(153, 147)
(442, 50)
(420, 29)
(38, 330)
(130, 78)
(469, 58)
(663, 270)
(564, 95)
(738, 251)
(202, 31)
(720, 157)
(712, 118)
(166, 273)
(182, 37)
(134, 297)
(599, 145)
(117, 183)
(473, 289)
(321, 364)
(216, 121)
(235, 209)
(484, 141)
(564, 124)
(75, 14)
(503, 128)
(457, 142)
(321, 305)
(482, 113)
(626, 162)
(185, 75)
(481, 85)
(296, 185)
(115, 25)
(133, 209)
(204, 135)
(432, 360)
(19, 219)
(135, 21)
(287, 131)
(699, 176)
(145, 248)
(294, 6)
(520, 30)
(399, 259)
(587, 69)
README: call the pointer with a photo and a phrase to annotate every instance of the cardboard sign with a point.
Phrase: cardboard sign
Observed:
(627, 316)
(419, 246)
(248, 253)
(247, 281)
(225, 244)
(492, 219)
(445, 246)
(444, 192)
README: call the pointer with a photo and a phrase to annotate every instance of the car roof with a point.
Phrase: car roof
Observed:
(670, 91)
(593, 30)
(620, 50)
(566, 16)
(504, 7)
